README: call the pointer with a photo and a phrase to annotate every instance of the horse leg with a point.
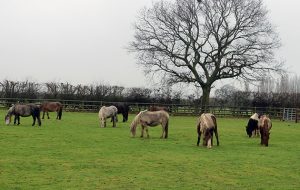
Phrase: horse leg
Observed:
(142, 132)
(199, 136)
(38, 116)
(114, 121)
(103, 122)
(147, 132)
(43, 114)
(17, 118)
(34, 118)
(48, 115)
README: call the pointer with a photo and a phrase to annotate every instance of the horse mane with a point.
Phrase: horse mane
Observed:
(136, 119)
(11, 109)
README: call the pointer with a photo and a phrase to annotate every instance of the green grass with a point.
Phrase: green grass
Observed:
(75, 153)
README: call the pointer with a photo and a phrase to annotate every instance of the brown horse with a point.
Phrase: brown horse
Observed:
(52, 107)
(152, 119)
(264, 125)
(158, 108)
(207, 124)
(23, 110)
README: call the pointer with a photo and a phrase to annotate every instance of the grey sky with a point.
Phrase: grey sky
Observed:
(82, 41)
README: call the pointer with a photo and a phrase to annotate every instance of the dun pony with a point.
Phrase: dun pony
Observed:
(265, 126)
(108, 112)
(207, 125)
(23, 111)
(152, 119)
(52, 107)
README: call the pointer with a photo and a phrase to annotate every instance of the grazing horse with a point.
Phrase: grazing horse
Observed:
(252, 126)
(23, 111)
(123, 108)
(158, 108)
(207, 124)
(107, 112)
(264, 125)
(52, 107)
(152, 119)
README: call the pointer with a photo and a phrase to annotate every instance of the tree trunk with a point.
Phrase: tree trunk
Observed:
(205, 99)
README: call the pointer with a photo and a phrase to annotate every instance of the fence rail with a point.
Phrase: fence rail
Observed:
(175, 109)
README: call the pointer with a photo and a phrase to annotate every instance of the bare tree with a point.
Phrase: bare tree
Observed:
(201, 42)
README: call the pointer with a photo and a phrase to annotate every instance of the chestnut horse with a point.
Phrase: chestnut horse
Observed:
(152, 119)
(23, 110)
(158, 108)
(52, 107)
(264, 125)
(207, 124)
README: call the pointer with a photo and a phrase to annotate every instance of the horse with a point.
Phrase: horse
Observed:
(252, 126)
(52, 107)
(123, 109)
(23, 110)
(158, 108)
(151, 118)
(207, 124)
(264, 125)
(107, 112)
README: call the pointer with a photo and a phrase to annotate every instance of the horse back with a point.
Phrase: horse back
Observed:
(26, 109)
(51, 106)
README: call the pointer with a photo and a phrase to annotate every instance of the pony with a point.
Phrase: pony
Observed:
(252, 126)
(151, 118)
(264, 125)
(207, 124)
(23, 110)
(52, 107)
(123, 109)
(107, 112)
(158, 108)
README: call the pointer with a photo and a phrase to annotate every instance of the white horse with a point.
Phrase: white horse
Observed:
(108, 112)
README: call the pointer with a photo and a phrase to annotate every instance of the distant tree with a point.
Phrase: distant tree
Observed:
(201, 42)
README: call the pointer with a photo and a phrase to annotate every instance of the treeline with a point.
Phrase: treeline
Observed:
(93, 92)
(283, 92)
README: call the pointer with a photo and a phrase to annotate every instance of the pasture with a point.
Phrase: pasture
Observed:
(74, 153)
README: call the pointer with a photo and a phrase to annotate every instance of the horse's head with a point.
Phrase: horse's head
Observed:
(10, 112)
(207, 139)
(7, 119)
(133, 129)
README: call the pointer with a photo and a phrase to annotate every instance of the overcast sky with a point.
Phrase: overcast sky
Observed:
(83, 41)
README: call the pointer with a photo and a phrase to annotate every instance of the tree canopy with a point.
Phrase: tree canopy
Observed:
(201, 42)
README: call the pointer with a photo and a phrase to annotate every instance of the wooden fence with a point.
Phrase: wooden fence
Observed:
(175, 109)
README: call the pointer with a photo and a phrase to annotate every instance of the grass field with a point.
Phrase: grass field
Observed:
(75, 153)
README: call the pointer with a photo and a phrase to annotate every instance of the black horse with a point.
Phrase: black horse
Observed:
(23, 110)
(123, 108)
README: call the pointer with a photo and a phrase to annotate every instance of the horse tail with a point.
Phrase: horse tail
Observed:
(167, 129)
(60, 112)
(198, 131)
